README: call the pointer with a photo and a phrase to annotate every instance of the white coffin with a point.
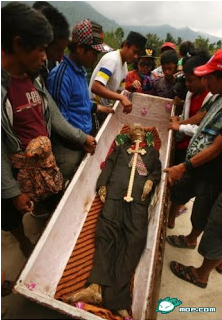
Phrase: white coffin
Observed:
(49, 258)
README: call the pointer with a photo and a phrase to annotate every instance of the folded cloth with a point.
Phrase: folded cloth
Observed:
(38, 173)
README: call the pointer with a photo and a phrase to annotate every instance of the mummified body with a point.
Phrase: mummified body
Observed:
(131, 172)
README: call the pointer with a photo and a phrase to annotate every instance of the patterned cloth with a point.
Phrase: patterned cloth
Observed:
(140, 166)
(208, 129)
(38, 173)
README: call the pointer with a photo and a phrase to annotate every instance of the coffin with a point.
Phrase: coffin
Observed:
(42, 274)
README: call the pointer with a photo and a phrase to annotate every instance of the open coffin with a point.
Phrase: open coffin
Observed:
(40, 279)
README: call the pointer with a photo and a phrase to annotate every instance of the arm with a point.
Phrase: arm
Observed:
(99, 89)
(66, 130)
(188, 129)
(107, 171)
(132, 82)
(213, 151)
(196, 119)
(153, 179)
(10, 188)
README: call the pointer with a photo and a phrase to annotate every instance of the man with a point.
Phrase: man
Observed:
(121, 231)
(28, 111)
(61, 32)
(68, 85)
(165, 47)
(210, 248)
(200, 175)
(108, 78)
(198, 96)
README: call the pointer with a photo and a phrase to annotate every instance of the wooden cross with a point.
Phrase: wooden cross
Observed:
(137, 150)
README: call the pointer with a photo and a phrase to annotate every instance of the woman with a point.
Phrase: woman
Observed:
(141, 79)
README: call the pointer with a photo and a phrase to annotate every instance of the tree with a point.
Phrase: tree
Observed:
(202, 43)
(219, 44)
(110, 39)
(153, 42)
(119, 34)
(179, 40)
(170, 38)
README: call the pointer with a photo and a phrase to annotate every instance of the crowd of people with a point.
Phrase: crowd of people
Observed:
(51, 114)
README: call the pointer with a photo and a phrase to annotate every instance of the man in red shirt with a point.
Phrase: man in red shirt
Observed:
(27, 109)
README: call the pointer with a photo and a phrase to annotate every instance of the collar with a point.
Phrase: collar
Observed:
(75, 67)
(5, 77)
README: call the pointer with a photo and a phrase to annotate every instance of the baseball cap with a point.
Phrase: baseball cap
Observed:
(169, 45)
(90, 33)
(214, 64)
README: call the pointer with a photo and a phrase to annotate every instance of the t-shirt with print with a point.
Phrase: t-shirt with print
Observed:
(28, 121)
(111, 72)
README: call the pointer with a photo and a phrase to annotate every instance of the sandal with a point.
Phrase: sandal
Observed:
(6, 288)
(179, 242)
(218, 270)
(182, 211)
(171, 226)
(185, 273)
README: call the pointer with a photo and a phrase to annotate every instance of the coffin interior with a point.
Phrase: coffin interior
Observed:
(51, 254)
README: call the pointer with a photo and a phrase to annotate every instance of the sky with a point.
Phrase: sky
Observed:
(204, 16)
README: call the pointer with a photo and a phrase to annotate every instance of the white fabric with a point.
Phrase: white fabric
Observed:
(189, 129)
(158, 71)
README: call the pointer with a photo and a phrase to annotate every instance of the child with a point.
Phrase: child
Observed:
(163, 86)
(141, 79)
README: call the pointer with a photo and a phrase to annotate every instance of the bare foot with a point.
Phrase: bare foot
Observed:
(92, 295)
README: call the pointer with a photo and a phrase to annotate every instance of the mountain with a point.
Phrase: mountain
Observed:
(75, 11)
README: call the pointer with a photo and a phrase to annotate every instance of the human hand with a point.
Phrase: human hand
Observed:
(90, 144)
(23, 203)
(175, 173)
(104, 109)
(127, 104)
(174, 119)
(178, 102)
(146, 189)
(136, 84)
(102, 193)
(174, 126)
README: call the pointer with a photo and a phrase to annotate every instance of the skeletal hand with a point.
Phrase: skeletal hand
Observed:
(146, 189)
(102, 193)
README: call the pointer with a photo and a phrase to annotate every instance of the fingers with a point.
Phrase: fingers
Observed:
(127, 109)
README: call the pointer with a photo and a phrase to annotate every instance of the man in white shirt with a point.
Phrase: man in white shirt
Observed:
(108, 78)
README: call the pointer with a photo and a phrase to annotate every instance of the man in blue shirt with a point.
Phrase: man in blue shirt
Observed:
(68, 85)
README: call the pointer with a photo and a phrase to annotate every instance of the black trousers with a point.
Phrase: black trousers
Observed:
(121, 235)
(211, 242)
(205, 194)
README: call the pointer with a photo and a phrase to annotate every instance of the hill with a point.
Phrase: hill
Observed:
(75, 11)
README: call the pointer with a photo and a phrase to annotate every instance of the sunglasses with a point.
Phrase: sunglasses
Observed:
(144, 64)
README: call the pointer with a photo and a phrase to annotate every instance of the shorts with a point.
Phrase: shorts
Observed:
(211, 242)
